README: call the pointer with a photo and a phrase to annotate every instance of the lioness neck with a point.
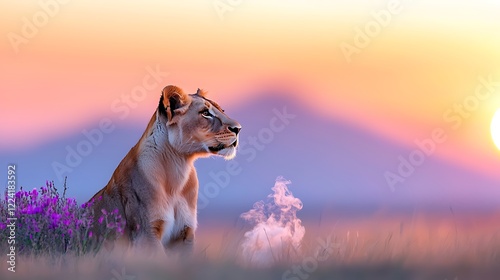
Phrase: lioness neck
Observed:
(162, 164)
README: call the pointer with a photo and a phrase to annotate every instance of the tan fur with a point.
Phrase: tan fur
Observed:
(155, 187)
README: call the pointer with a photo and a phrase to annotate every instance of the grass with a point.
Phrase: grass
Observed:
(369, 254)
(417, 247)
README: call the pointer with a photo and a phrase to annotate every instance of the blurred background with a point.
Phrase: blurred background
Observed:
(368, 107)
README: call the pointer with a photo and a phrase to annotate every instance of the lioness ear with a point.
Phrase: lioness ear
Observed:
(201, 92)
(173, 101)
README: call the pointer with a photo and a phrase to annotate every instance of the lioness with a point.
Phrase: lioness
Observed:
(155, 187)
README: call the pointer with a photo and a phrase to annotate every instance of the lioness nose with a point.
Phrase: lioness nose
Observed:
(236, 129)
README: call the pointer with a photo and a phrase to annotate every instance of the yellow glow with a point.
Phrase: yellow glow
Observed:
(495, 128)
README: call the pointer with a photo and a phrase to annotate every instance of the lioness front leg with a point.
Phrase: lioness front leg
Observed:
(187, 235)
(185, 219)
(182, 244)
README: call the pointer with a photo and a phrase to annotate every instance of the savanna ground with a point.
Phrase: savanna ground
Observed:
(417, 247)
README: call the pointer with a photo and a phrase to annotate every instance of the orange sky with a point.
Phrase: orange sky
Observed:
(89, 53)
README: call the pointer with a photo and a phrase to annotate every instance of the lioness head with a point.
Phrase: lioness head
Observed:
(197, 125)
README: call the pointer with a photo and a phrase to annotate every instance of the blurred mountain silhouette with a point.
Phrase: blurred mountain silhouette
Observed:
(331, 165)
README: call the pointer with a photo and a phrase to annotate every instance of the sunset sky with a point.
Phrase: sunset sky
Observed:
(401, 85)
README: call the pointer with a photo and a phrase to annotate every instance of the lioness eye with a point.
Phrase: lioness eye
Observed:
(206, 114)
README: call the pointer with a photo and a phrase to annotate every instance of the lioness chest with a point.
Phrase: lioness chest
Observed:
(174, 207)
(171, 217)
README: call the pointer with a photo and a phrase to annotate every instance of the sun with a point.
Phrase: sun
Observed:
(495, 129)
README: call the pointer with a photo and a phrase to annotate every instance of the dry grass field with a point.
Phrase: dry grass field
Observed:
(420, 247)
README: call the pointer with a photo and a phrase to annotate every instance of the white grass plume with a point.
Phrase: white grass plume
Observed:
(277, 232)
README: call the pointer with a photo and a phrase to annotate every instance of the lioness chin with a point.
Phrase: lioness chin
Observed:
(155, 187)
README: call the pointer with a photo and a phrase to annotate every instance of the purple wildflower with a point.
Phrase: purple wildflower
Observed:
(34, 194)
(52, 222)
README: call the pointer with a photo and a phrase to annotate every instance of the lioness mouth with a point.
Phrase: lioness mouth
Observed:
(222, 147)
(217, 148)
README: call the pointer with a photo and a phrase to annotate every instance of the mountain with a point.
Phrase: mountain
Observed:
(332, 165)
